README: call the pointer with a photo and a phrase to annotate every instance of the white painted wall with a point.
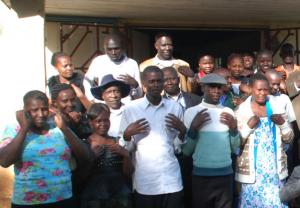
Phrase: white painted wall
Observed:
(22, 55)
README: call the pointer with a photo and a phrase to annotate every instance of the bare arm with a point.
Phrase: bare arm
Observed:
(80, 150)
(10, 153)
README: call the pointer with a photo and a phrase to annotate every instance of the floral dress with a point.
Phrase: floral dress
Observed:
(264, 193)
(42, 175)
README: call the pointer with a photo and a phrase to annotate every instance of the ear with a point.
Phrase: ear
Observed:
(156, 45)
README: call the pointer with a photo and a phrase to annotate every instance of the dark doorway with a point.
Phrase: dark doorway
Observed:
(190, 44)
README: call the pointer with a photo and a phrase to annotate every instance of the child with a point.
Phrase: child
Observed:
(106, 185)
(235, 64)
(206, 65)
(248, 64)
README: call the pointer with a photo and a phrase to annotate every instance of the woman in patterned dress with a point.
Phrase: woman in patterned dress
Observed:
(262, 165)
(40, 147)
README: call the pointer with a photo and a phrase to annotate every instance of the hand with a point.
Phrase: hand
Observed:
(186, 71)
(173, 122)
(129, 80)
(277, 119)
(237, 101)
(24, 119)
(75, 117)
(253, 121)
(200, 120)
(116, 148)
(228, 120)
(77, 90)
(139, 127)
(58, 118)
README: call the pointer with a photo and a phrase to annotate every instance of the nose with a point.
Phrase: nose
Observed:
(40, 113)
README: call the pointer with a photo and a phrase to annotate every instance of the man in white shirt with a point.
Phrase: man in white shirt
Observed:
(151, 126)
(114, 62)
(286, 107)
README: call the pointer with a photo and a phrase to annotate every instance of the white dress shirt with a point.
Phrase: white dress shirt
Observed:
(102, 65)
(156, 167)
(178, 98)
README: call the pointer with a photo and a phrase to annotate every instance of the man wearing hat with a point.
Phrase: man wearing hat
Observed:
(111, 91)
(212, 137)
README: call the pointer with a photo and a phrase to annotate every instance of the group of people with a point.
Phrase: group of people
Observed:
(158, 134)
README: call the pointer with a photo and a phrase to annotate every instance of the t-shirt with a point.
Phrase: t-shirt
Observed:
(43, 174)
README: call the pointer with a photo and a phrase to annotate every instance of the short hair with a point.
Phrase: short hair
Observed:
(248, 54)
(170, 69)
(35, 95)
(56, 56)
(205, 54)
(234, 56)
(95, 109)
(56, 89)
(117, 36)
(161, 34)
(150, 69)
(264, 51)
(258, 77)
(286, 49)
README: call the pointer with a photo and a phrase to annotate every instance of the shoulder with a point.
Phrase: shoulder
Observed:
(146, 63)
(182, 62)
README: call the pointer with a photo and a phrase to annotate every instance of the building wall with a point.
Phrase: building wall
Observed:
(22, 54)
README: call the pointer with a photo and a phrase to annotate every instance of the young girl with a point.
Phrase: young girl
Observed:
(206, 65)
(107, 183)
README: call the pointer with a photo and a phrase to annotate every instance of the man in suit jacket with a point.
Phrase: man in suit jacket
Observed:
(187, 100)
(173, 91)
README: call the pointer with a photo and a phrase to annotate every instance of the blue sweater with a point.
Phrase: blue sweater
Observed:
(213, 143)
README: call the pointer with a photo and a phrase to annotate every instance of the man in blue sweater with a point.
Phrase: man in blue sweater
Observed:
(212, 137)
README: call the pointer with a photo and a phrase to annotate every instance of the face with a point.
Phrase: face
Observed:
(212, 93)
(112, 97)
(260, 90)
(164, 47)
(248, 62)
(274, 82)
(288, 60)
(264, 62)
(64, 66)
(65, 101)
(236, 67)
(153, 84)
(114, 49)
(206, 64)
(101, 123)
(171, 83)
(38, 111)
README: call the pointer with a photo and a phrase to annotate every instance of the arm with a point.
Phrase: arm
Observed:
(80, 150)
(287, 133)
(81, 96)
(10, 153)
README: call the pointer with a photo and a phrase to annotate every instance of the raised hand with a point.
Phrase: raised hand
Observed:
(116, 148)
(172, 122)
(128, 80)
(58, 118)
(24, 119)
(138, 127)
(200, 120)
(228, 120)
(253, 121)
(186, 71)
(277, 119)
